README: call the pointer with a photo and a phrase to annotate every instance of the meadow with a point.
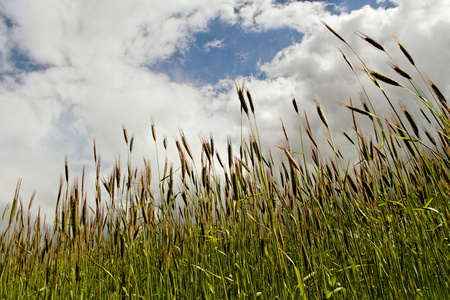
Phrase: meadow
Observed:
(308, 226)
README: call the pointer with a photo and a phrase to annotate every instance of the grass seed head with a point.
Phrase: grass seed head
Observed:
(294, 103)
(347, 60)
(410, 118)
(219, 159)
(439, 94)
(240, 91)
(370, 41)
(347, 136)
(185, 144)
(321, 112)
(66, 169)
(131, 143)
(152, 121)
(211, 143)
(334, 32)
(384, 78)
(405, 52)
(250, 101)
(400, 71)
(423, 113)
(125, 134)
(308, 130)
(429, 136)
(230, 153)
(31, 200)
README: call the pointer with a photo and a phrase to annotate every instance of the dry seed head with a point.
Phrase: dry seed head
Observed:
(219, 159)
(66, 169)
(352, 183)
(211, 143)
(429, 136)
(180, 150)
(250, 101)
(400, 71)
(443, 137)
(82, 179)
(131, 143)
(165, 142)
(294, 103)
(370, 41)
(423, 113)
(347, 136)
(207, 150)
(308, 130)
(230, 152)
(371, 148)
(5, 211)
(153, 128)
(405, 52)
(31, 200)
(95, 152)
(284, 130)
(117, 172)
(365, 106)
(410, 118)
(384, 78)
(291, 159)
(240, 92)
(125, 134)
(257, 152)
(334, 32)
(353, 113)
(321, 112)
(185, 144)
(406, 141)
(242, 163)
(347, 60)
(20, 213)
(439, 94)
(314, 156)
(84, 214)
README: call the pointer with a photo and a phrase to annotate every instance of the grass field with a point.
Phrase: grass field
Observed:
(310, 226)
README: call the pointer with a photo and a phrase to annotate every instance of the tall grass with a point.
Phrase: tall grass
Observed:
(246, 225)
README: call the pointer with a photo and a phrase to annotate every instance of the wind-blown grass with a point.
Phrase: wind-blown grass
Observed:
(302, 228)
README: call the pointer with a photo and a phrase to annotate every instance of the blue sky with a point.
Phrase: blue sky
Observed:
(225, 51)
(72, 71)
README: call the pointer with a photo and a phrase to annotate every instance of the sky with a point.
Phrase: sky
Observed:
(75, 71)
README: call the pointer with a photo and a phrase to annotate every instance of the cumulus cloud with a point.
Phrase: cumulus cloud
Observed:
(96, 78)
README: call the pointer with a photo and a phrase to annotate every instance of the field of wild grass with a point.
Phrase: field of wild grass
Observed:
(246, 226)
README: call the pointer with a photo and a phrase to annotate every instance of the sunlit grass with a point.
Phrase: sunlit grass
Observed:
(247, 225)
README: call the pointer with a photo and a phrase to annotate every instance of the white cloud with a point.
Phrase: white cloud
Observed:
(97, 80)
(213, 44)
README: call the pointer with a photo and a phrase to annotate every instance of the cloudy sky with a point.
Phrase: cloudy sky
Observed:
(72, 71)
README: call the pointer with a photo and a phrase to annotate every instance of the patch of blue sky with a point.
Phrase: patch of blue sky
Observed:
(18, 58)
(22, 62)
(225, 52)
(348, 5)
(6, 20)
